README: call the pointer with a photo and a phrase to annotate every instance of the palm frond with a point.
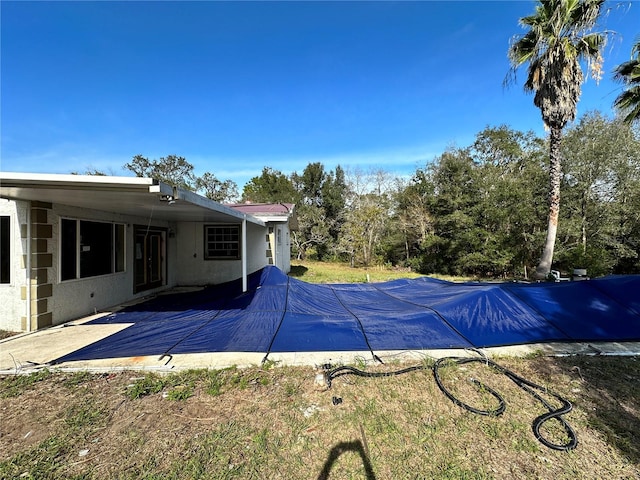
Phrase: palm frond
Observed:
(628, 73)
(635, 50)
(584, 15)
(628, 104)
(592, 43)
(559, 38)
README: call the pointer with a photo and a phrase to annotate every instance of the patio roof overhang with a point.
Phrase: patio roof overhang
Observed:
(123, 195)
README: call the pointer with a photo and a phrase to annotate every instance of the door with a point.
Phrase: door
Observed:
(149, 252)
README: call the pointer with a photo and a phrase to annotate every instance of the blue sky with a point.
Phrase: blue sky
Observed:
(237, 86)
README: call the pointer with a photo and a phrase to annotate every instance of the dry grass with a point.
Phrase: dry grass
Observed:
(335, 272)
(6, 334)
(273, 423)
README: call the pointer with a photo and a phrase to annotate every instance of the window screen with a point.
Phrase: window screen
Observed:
(222, 241)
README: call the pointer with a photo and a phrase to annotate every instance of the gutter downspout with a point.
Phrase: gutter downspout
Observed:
(244, 253)
(28, 266)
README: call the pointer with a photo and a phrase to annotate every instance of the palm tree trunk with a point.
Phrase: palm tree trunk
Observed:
(555, 176)
(583, 222)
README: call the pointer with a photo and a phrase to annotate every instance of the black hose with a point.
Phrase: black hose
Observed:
(502, 406)
(528, 386)
(347, 370)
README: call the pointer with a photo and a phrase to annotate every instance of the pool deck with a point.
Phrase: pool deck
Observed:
(28, 352)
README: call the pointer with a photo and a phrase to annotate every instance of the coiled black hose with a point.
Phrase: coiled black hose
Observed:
(528, 386)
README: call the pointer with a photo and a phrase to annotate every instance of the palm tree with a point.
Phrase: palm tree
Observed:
(559, 38)
(628, 102)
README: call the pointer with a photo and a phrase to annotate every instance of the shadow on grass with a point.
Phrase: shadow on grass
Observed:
(298, 270)
(344, 447)
(609, 395)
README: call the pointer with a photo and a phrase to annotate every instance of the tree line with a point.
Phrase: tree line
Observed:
(478, 210)
(475, 210)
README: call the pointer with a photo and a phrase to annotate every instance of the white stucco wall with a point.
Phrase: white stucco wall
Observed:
(74, 298)
(282, 240)
(80, 297)
(286, 253)
(256, 247)
(192, 269)
(12, 307)
(184, 264)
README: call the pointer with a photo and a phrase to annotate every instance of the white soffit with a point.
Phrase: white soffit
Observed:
(132, 196)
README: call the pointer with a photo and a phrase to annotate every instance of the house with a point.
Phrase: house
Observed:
(84, 243)
(280, 219)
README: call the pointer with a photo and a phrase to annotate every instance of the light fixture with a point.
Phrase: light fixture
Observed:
(168, 198)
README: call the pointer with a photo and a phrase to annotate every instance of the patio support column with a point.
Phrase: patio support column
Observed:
(38, 262)
(28, 272)
(244, 253)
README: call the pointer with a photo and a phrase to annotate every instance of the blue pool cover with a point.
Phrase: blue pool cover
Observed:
(283, 314)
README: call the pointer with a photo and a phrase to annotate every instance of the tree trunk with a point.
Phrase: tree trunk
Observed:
(583, 220)
(406, 248)
(555, 176)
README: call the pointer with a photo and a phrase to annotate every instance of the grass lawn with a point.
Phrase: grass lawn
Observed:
(333, 272)
(273, 423)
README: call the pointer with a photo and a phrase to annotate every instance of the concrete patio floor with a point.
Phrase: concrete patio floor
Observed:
(28, 352)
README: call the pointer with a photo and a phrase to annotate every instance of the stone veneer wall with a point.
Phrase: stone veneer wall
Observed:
(41, 265)
(270, 242)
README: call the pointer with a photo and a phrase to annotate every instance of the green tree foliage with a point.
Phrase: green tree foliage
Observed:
(91, 171)
(323, 195)
(412, 221)
(364, 230)
(334, 193)
(334, 197)
(455, 185)
(312, 233)
(310, 184)
(171, 169)
(214, 189)
(480, 210)
(602, 174)
(559, 36)
(320, 201)
(361, 233)
(272, 186)
(511, 207)
(476, 210)
(313, 223)
(628, 73)
(177, 171)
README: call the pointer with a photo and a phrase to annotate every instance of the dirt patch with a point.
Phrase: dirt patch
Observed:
(6, 334)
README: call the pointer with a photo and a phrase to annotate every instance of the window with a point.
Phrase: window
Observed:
(68, 249)
(222, 242)
(119, 247)
(5, 249)
(89, 249)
